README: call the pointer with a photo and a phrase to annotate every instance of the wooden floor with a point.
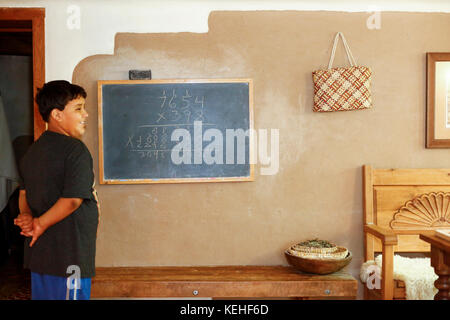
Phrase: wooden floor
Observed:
(220, 282)
(15, 282)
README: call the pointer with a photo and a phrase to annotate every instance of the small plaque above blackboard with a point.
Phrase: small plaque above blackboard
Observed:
(174, 131)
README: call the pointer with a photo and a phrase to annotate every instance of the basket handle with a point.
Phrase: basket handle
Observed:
(350, 57)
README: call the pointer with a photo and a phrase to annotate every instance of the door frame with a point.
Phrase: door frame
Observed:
(37, 18)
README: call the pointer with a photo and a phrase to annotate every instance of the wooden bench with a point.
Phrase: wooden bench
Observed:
(220, 282)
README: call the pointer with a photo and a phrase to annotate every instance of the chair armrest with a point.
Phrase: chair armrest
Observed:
(388, 239)
(386, 236)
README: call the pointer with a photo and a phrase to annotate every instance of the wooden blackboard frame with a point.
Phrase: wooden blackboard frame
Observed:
(102, 179)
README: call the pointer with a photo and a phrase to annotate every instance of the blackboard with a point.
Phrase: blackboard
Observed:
(174, 131)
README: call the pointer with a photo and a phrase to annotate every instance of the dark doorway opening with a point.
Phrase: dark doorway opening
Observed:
(22, 61)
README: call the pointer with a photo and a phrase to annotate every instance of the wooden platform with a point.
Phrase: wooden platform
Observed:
(220, 282)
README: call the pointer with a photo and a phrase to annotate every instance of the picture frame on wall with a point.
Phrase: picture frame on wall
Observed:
(438, 100)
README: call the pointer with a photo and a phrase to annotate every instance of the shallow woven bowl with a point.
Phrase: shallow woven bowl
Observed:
(338, 253)
(317, 266)
(300, 248)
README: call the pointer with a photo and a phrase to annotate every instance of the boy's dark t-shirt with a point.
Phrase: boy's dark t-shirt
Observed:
(58, 166)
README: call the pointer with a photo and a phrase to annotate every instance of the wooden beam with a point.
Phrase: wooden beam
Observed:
(367, 176)
(21, 13)
(422, 177)
(387, 273)
(38, 70)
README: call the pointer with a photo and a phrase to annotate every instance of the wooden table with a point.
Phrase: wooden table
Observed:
(220, 282)
(440, 260)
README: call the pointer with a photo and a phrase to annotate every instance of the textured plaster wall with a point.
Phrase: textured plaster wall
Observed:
(317, 191)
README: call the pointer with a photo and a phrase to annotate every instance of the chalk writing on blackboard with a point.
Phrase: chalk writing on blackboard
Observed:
(173, 131)
(190, 108)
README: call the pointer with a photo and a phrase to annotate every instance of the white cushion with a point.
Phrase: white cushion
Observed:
(417, 273)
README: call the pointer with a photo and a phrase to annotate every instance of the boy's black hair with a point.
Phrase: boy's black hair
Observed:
(56, 94)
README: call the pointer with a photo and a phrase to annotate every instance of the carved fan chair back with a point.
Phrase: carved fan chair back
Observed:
(399, 204)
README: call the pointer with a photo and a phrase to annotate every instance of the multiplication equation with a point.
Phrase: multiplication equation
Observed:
(180, 106)
(150, 142)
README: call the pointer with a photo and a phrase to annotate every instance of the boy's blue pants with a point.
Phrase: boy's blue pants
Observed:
(47, 287)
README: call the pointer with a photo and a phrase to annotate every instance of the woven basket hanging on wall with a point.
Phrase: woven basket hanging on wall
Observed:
(342, 89)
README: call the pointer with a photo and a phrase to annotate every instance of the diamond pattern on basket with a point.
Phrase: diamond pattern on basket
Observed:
(340, 89)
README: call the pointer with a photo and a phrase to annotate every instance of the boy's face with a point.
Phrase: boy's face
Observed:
(72, 121)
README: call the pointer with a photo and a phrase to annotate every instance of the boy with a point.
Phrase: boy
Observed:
(58, 207)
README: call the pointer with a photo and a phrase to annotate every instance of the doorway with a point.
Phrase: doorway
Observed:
(16, 26)
(22, 71)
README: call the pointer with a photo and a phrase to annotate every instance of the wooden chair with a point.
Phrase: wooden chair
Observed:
(399, 205)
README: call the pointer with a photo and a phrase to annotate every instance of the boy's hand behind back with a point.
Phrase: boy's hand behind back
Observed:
(31, 227)
(38, 230)
(25, 222)
(59, 211)
(35, 227)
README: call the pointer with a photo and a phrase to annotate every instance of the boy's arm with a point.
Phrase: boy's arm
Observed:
(60, 210)
(23, 204)
(25, 218)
